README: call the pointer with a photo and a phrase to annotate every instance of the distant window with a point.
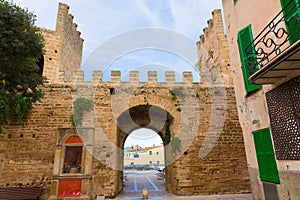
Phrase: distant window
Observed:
(157, 162)
(157, 153)
(150, 153)
(150, 162)
(234, 1)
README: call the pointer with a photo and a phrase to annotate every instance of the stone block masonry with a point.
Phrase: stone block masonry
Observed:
(202, 115)
(28, 151)
(63, 48)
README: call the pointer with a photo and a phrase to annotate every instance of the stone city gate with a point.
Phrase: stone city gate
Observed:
(211, 159)
(87, 159)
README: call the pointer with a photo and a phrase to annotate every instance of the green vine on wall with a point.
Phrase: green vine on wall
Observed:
(4, 108)
(175, 145)
(80, 106)
(178, 92)
(167, 135)
(13, 104)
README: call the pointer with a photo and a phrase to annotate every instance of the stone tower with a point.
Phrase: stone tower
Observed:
(63, 48)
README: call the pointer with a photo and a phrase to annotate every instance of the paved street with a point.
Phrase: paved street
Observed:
(137, 180)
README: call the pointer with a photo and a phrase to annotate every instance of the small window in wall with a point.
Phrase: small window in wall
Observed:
(73, 155)
(234, 1)
(157, 153)
(112, 91)
(150, 162)
(40, 64)
(265, 156)
(245, 38)
(150, 153)
(157, 162)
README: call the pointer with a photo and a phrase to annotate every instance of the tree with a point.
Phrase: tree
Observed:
(21, 47)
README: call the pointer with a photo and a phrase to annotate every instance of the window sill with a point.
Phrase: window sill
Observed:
(72, 176)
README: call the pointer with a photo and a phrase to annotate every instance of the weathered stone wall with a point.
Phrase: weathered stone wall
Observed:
(52, 55)
(71, 52)
(63, 48)
(27, 149)
(213, 54)
(30, 160)
(224, 169)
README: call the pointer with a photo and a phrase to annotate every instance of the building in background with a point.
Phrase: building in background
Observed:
(263, 38)
(137, 155)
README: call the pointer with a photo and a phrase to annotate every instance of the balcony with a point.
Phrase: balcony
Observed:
(274, 55)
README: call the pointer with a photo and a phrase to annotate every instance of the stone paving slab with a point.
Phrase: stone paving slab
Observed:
(201, 197)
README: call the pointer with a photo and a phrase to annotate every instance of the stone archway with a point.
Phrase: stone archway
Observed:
(146, 116)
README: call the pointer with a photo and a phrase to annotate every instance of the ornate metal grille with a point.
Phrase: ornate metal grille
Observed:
(284, 111)
(274, 38)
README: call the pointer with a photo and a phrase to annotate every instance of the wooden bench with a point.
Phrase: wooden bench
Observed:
(24, 193)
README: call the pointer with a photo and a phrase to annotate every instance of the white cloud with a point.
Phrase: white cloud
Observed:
(190, 16)
(151, 15)
(99, 21)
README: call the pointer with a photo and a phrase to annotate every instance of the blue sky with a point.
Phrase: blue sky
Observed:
(102, 20)
(144, 138)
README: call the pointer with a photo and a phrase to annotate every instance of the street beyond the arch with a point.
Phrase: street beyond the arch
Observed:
(136, 181)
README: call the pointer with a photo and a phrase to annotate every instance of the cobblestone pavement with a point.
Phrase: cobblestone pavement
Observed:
(136, 181)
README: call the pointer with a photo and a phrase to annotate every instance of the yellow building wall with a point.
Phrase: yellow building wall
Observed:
(158, 155)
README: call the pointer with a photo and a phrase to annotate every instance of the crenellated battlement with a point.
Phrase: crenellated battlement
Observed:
(135, 76)
(63, 48)
(213, 54)
(65, 21)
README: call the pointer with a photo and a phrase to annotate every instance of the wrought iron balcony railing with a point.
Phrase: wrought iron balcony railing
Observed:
(275, 38)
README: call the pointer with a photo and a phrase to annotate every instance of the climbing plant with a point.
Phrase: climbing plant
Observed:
(175, 145)
(178, 91)
(80, 106)
(167, 135)
(4, 106)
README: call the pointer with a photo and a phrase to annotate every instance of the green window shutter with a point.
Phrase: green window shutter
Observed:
(265, 156)
(245, 38)
(291, 12)
(234, 1)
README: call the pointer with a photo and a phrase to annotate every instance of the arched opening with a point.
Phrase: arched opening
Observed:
(144, 163)
(154, 119)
